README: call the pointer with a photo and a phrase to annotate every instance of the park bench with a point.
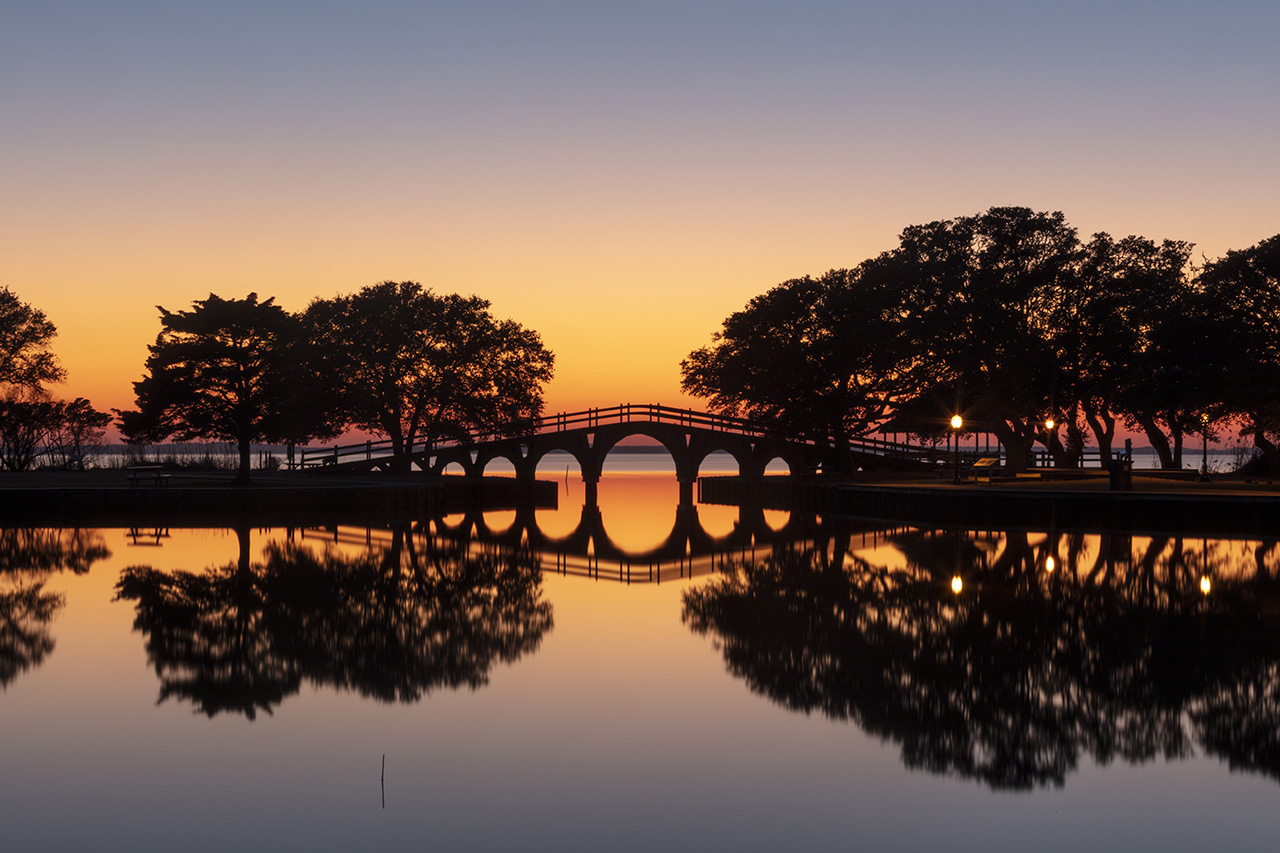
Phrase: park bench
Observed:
(138, 474)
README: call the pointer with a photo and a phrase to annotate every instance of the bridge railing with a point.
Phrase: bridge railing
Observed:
(373, 451)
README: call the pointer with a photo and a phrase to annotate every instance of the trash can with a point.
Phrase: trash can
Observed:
(1121, 471)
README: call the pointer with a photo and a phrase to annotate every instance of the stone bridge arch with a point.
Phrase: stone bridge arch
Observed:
(688, 446)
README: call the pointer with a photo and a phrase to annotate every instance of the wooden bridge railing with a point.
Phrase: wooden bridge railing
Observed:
(620, 414)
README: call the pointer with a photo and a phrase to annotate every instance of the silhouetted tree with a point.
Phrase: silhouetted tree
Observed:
(27, 558)
(27, 418)
(26, 609)
(397, 625)
(1025, 670)
(44, 550)
(77, 433)
(979, 297)
(814, 357)
(392, 624)
(1178, 375)
(1242, 293)
(25, 334)
(1126, 290)
(417, 366)
(220, 371)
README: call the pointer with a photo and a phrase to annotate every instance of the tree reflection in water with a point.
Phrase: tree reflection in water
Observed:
(391, 624)
(28, 556)
(1031, 665)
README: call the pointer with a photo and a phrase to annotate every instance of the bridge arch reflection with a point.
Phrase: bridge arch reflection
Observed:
(686, 550)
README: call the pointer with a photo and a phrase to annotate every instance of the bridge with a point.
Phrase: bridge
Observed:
(588, 436)
(588, 551)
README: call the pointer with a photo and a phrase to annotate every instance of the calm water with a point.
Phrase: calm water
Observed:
(750, 681)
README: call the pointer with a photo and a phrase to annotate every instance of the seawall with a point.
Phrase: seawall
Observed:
(266, 504)
(1223, 512)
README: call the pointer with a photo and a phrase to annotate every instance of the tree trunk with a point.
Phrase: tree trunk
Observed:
(1268, 448)
(242, 473)
(842, 452)
(1103, 426)
(399, 460)
(1017, 445)
(1057, 454)
(1158, 441)
(243, 552)
(1074, 450)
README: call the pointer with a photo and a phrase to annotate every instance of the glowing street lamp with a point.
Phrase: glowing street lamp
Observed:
(1048, 428)
(957, 584)
(956, 423)
(1204, 448)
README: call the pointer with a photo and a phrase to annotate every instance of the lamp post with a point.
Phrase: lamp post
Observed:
(1204, 448)
(956, 423)
(1048, 428)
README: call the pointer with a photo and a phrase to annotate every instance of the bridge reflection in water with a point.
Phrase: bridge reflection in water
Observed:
(687, 551)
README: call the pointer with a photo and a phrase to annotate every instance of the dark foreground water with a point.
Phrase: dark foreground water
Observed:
(564, 684)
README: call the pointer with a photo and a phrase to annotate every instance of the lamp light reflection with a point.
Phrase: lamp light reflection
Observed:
(957, 584)
(1049, 563)
(1205, 584)
(956, 423)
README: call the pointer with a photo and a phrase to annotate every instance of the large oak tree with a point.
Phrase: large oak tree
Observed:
(812, 357)
(419, 367)
(1241, 299)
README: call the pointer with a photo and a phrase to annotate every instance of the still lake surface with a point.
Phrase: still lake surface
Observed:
(689, 681)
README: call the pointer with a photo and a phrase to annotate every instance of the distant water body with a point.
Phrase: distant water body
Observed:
(622, 460)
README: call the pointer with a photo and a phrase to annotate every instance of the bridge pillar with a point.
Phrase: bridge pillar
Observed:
(686, 493)
(687, 526)
(751, 521)
(592, 496)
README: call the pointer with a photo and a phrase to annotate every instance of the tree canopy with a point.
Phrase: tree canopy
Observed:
(394, 624)
(1007, 318)
(419, 367)
(1241, 299)
(782, 359)
(1117, 655)
(25, 334)
(219, 372)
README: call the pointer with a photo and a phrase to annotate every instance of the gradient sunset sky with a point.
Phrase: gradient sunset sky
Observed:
(618, 176)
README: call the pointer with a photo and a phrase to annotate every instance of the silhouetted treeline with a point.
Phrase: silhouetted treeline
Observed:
(28, 556)
(1009, 319)
(32, 422)
(394, 358)
(392, 624)
(1030, 665)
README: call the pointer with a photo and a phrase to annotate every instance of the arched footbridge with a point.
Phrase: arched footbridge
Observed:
(588, 436)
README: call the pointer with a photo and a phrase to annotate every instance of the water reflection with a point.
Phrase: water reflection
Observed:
(28, 556)
(586, 548)
(392, 623)
(1049, 648)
